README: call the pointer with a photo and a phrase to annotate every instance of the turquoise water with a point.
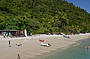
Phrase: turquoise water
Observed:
(77, 51)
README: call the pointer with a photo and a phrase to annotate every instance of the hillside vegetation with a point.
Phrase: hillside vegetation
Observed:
(43, 16)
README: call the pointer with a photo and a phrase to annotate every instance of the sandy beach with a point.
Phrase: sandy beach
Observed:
(31, 47)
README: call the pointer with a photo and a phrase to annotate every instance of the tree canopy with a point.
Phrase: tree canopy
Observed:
(43, 16)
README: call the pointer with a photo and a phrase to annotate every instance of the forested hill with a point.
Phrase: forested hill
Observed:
(43, 16)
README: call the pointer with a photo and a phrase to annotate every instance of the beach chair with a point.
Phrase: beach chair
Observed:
(66, 36)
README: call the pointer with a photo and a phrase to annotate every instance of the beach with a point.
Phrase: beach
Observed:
(31, 48)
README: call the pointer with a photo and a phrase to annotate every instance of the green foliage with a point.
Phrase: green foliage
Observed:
(43, 16)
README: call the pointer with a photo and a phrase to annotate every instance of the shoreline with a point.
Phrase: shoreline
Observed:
(59, 49)
(51, 52)
(46, 54)
(31, 48)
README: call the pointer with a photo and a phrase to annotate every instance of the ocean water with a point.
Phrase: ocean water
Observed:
(76, 51)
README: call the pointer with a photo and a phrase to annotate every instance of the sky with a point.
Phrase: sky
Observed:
(84, 4)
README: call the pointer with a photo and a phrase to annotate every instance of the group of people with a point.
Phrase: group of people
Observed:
(16, 44)
(18, 57)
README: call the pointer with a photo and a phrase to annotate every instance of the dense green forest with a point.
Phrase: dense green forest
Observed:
(43, 16)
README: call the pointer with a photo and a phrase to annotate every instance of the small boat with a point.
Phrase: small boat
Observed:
(66, 36)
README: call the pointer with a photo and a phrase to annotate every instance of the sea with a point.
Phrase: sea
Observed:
(76, 51)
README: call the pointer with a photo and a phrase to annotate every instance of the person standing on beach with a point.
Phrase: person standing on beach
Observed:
(9, 43)
(4, 35)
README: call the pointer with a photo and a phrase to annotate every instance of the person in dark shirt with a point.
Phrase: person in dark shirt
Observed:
(9, 43)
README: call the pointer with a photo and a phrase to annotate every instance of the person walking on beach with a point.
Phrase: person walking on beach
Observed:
(18, 57)
(9, 43)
